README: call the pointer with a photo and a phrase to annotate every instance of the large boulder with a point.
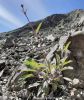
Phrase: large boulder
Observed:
(77, 56)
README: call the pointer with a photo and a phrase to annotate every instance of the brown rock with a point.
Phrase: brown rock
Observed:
(77, 56)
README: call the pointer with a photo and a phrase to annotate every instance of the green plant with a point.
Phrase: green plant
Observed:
(48, 75)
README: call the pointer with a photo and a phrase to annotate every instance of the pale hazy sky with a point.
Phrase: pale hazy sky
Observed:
(11, 15)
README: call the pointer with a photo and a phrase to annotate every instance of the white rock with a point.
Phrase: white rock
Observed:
(39, 45)
(50, 37)
(62, 41)
(78, 95)
(75, 81)
(1, 73)
(67, 79)
(50, 54)
(73, 92)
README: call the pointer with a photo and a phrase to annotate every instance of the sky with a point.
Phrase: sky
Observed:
(11, 16)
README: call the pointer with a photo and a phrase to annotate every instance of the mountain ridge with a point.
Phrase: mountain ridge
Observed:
(63, 20)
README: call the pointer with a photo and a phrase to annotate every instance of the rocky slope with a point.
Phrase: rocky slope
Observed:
(21, 44)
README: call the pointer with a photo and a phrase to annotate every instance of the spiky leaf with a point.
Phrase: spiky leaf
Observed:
(67, 62)
(66, 46)
(57, 59)
(25, 76)
(38, 27)
(33, 64)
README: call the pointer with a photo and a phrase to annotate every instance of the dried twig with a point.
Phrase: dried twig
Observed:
(25, 13)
